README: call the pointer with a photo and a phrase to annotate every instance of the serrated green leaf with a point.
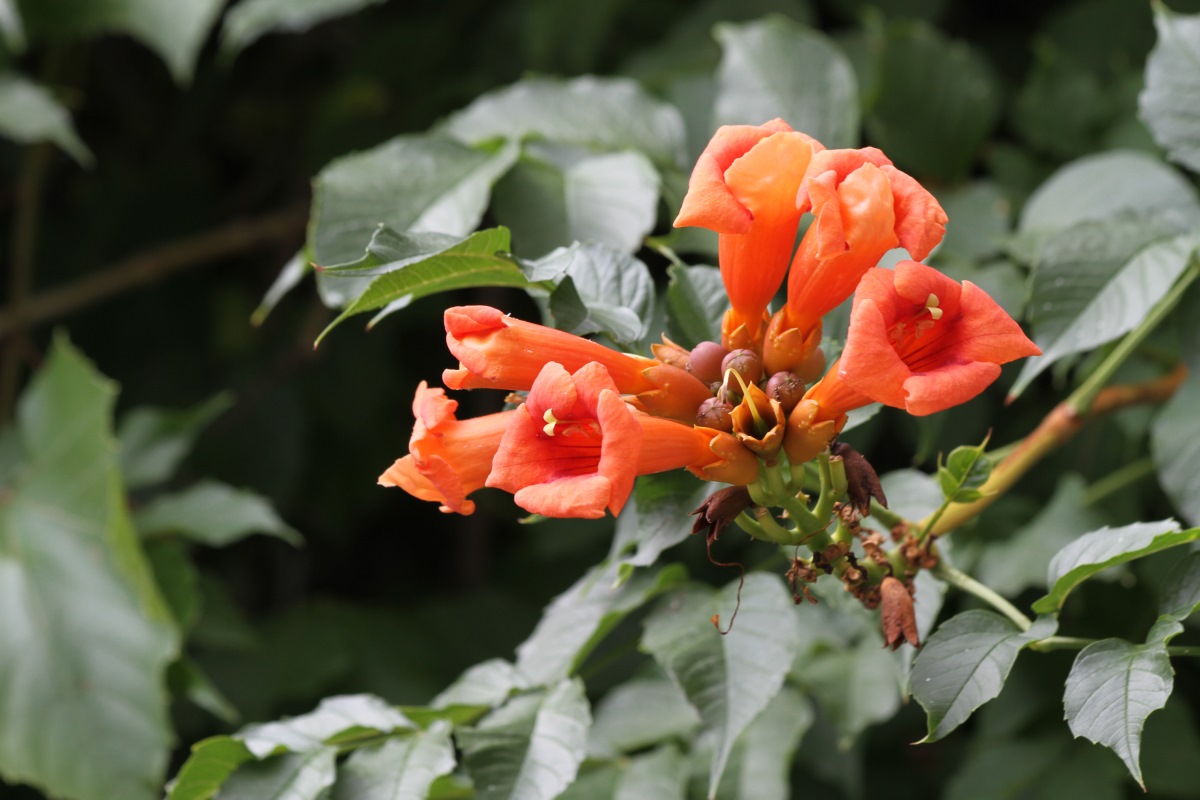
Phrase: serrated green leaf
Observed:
(761, 764)
(413, 183)
(29, 113)
(730, 678)
(85, 636)
(969, 465)
(1020, 562)
(1104, 185)
(660, 774)
(1181, 593)
(308, 733)
(657, 516)
(639, 713)
(397, 769)
(1111, 689)
(575, 621)
(250, 19)
(857, 686)
(1168, 103)
(214, 514)
(604, 291)
(289, 776)
(1107, 547)
(454, 714)
(696, 303)
(557, 194)
(598, 113)
(481, 259)
(175, 31)
(955, 91)
(530, 748)
(212, 761)
(12, 30)
(155, 440)
(964, 664)
(776, 68)
(488, 684)
(1117, 308)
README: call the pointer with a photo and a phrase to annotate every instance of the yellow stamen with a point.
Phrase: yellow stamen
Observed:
(758, 420)
(551, 421)
(931, 305)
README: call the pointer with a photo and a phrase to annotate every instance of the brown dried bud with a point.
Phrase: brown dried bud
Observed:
(873, 547)
(897, 616)
(705, 361)
(787, 388)
(861, 481)
(720, 509)
(715, 413)
(745, 363)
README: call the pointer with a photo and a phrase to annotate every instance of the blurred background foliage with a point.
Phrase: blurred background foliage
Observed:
(386, 595)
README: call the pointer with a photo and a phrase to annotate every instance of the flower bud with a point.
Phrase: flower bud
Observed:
(745, 363)
(897, 615)
(787, 388)
(670, 353)
(705, 361)
(715, 413)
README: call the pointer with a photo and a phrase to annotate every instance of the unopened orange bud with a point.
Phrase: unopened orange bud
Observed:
(677, 395)
(807, 433)
(741, 334)
(735, 464)
(789, 349)
(670, 353)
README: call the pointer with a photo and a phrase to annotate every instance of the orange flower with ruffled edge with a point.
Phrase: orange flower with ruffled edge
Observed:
(574, 447)
(496, 351)
(921, 341)
(744, 187)
(448, 458)
(862, 207)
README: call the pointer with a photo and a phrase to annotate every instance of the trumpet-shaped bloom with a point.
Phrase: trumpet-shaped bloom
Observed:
(920, 341)
(862, 207)
(574, 447)
(744, 188)
(448, 458)
(497, 351)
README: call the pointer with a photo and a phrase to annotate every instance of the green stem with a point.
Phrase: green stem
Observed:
(966, 583)
(1184, 650)
(1117, 480)
(1052, 643)
(1081, 399)
(886, 515)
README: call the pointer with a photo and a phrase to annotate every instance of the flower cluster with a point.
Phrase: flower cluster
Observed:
(758, 409)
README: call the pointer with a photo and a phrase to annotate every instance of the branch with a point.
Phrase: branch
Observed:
(1059, 426)
(153, 265)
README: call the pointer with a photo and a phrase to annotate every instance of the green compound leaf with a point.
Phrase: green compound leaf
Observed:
(1181, 593)
(1101, 186)
(335, 720)
(530, 748)
(488, 683)
(641, 712)
(604, 291)
(295, 776)
(85, 636)
(1114, 686)
(250, 19)
(557, 194)
(398, 768)
(155, 440)
(598, 113)
(857, 685)
(175, 31)
(214, 514)
(730, 678)
(575, 622)
(29, 113)
(761, 764)
(964, 664)
(1107, 547)
(1170, 102)
(397, 278)
(211, 763)
(657, 517)
(776, 68)
(1118, 306)
(696, 302)
(955, 90)
(1173, 442)
(411, 183)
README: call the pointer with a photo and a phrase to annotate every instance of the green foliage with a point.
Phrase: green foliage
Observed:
(29, 113)
(250, 19)
(1167, 104)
